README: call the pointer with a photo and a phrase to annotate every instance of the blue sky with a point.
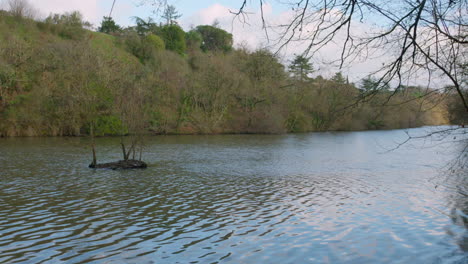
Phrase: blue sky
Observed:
(94, 10)
(194, 13)
(187, 8)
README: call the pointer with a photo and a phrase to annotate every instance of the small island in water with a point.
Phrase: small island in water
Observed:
(122, 164)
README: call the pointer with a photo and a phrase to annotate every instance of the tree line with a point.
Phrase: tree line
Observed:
(59, 78)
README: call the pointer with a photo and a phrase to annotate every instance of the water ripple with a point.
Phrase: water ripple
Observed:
(272, 199)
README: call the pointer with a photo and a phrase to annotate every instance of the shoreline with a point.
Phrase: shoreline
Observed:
(240, 133)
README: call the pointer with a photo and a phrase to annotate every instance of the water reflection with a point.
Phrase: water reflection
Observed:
(456, 184)
(312, 198)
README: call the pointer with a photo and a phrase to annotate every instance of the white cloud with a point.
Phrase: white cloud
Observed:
(92, 10)
(89, 8)
(244, 33)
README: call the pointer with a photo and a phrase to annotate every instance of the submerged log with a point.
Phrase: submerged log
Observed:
(121, 165)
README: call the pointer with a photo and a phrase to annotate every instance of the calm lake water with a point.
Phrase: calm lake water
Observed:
(305, 198)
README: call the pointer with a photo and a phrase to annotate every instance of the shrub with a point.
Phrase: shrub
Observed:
(215, 39)
(156, 42)
(109, 126)
(69, 25)
(174, 37)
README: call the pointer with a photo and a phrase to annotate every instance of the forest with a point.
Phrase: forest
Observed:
(58, 77)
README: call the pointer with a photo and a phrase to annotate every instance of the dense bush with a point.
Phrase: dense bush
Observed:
(68, 25)
(155, 42)
(214, 39)
(174, 37)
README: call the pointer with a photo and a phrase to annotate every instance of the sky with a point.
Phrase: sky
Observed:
(202, 12)
(124, 10)
(194, 12)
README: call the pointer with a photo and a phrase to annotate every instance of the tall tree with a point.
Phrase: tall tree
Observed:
(194, 39)
(301, 67)
(171, 15)
(21, 8)
(215, 39)
(339, 78)
(423, 35)
(371, 84)
(174, 37)
(144, 27)
(108, 26)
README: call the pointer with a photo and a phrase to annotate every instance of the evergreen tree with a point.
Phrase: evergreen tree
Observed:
(301, 68)
(370, 84)
(339, 78)
(108, 26)
(144, 27)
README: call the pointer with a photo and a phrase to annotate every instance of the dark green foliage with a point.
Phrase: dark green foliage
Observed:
(301, 67)
(108, 26)
(174, 37)
(109, 126)
(456, 110)
(144, 27)
(193, 39)
(371, 84)
(142, 48)
(262, 64)
(375, 124)
(339, 78)
(215, 39)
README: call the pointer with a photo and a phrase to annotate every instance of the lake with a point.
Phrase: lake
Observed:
(337, 197)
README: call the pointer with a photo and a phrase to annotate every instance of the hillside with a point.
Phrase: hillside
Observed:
(59, 79)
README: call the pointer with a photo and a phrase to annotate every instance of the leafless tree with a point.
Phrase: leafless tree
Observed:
(21, 8)
(419, 36)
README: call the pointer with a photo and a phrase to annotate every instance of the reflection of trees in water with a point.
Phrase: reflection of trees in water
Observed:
(453, 178)
(458, 166)
(458, 196)
(459, 213)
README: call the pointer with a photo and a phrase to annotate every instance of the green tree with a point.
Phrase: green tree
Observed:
(194, 39)
(135, 44)
(371, 84)
(368, 84)
(73, 19)
(156, 42)
(108, 26)
(339, 78)
(300, 67)
(144, 27)
(69, 25)
(215, 39)
(174, 37)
